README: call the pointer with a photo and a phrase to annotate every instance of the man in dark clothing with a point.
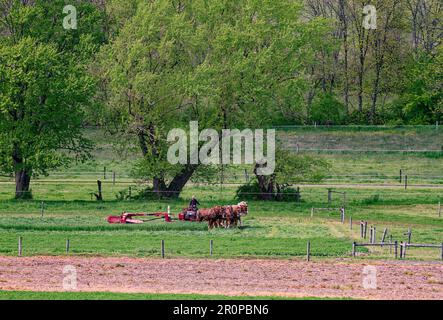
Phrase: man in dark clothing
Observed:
(193, 204)
(192, 210)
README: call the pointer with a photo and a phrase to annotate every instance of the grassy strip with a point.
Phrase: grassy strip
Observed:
(142, 244)
(33, 295)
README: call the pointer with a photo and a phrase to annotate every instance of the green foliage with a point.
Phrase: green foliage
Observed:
(221, 63)
(43, 22)
(422, 102)
(290, 169)
(124, 194)
(44, 86)
(433, 155)
(371, 200)
(40, 107)
(327, 110)
(252, 191)
(249, 191)
(388, 75)
(421, 99)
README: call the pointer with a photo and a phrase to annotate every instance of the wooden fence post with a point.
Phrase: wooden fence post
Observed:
(20, 246)
(210, 247)
(308, 251)
(222, 178)
(374, 237)
(361, 228)
(401, 175)
(409, 234)
(396, 249)
(342, 215)
(104, 173)
(370, 235)
(163, 248)
(67, 246)
(99, 195)
(401, 250)
(353, 248)
(297, 195)
(366, 229)
(42, 209)
(390, 243)
(384, 235)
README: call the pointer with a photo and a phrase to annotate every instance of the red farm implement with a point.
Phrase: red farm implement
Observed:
(127, 217)
(131, 218)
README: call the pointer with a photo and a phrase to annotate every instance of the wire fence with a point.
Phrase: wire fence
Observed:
(363, 139)
(428, 127)
(304, 196)
(246, 177)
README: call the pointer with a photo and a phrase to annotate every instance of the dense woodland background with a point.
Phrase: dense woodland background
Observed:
(139, 68)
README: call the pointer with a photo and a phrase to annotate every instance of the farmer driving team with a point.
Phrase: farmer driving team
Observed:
(193, 207)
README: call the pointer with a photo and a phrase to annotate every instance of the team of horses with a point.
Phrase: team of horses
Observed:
(223, 216)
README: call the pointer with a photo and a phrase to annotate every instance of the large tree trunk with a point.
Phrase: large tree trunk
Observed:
(159, 186)
(179, 181)
(380, 60)
(22, 175)
(22, 184)
(375, 92)
(363, 46)
(266, 188)
(266, 184)
(360, 82)
(344, 22)
(177, 184)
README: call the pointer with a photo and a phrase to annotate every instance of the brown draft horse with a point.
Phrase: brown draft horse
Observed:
(231, 215)
(210, 215)
(240, 210)
(219, 216)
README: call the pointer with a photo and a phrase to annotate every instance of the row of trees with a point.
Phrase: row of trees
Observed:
(225, 64)
(388, 74)
(140, 68)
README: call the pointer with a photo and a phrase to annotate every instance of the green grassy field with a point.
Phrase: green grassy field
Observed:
(32, 295)
(360, 154)
(272, 229)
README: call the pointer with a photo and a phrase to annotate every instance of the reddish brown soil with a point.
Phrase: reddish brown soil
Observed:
(332, 278)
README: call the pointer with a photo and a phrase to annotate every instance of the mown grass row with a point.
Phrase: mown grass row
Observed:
(35, 295)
